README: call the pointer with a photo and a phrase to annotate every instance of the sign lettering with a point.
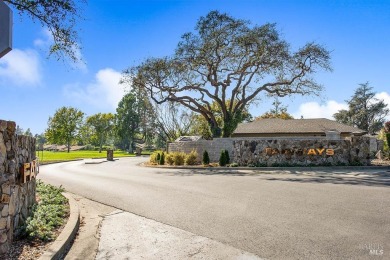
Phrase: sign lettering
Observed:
(309, 151)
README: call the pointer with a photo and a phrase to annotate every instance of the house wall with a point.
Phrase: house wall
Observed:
(17, 198)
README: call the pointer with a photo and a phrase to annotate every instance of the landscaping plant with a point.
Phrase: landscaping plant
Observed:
(191, 158)
(227, 156)
(206, 158)
(48, 213)
(170, 159)
(222, 158)
(179, 158)
(155, 157)
(162, 159)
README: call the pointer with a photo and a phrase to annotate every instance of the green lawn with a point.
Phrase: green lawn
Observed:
(50, 157)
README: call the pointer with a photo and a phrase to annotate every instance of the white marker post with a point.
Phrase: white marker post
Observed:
(5, 29)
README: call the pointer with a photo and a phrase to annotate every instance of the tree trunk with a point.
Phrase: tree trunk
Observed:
(100, 144)
(68, 145)
(216, 131)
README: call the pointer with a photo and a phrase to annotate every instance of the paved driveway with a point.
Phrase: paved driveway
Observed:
(275, 215)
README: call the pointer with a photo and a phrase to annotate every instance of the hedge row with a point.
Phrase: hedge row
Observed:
(180, 158)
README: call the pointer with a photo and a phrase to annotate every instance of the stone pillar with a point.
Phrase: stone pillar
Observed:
(110, 155)
(17, 198)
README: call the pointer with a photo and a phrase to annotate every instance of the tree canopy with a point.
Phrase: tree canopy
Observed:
(364, 110)
(278, 111)
(228, 59)
(63, 127)
(60, 18)
(102, 124)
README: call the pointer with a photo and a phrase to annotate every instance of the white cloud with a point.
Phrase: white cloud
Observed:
(45, 41)
(386, 99)
(21, 67)
(316, 110)
(103, 92)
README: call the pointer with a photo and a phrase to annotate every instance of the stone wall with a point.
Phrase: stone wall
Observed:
(17, 197)
(289, 152)
(283, 151)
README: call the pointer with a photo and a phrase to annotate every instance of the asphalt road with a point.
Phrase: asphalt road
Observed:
(275, 215)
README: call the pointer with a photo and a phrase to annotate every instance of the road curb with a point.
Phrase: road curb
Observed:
(63, 241)
(266, 169)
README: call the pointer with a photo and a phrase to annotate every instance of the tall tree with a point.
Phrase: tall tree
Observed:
(41, 138)
(364, 110)
(227, 59)
(28, 132)
(19, 130)
(278, 111)
(60, 18)
(102, 125)
(127, 120)
(63, 127)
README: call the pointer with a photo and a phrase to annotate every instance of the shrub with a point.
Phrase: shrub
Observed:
(48, 214)
(153, 157)
(206, 158)
(170, 158)
(191, 158)
(227, 156)
(178, 158)
(222, 158)
(162, 159)
(234, 164)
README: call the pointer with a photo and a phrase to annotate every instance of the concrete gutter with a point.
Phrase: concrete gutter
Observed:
(266, 169)
(63, 241)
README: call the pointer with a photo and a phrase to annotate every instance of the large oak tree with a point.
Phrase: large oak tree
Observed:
(228, 59)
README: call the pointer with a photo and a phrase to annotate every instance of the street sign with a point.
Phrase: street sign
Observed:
(5, 29)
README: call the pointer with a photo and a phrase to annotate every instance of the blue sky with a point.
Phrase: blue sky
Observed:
(117, 34)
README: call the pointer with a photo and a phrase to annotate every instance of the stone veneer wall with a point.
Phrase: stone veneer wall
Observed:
(282, 151)
(16, 198)
(289, 152)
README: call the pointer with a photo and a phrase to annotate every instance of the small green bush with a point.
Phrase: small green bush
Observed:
(48, 214)
(162, 159)
(179, 158)
(191, 158)
(170, 159)
(158, 157)
(222, 158)
(234, 164)
(227, 156)
(206, 158)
